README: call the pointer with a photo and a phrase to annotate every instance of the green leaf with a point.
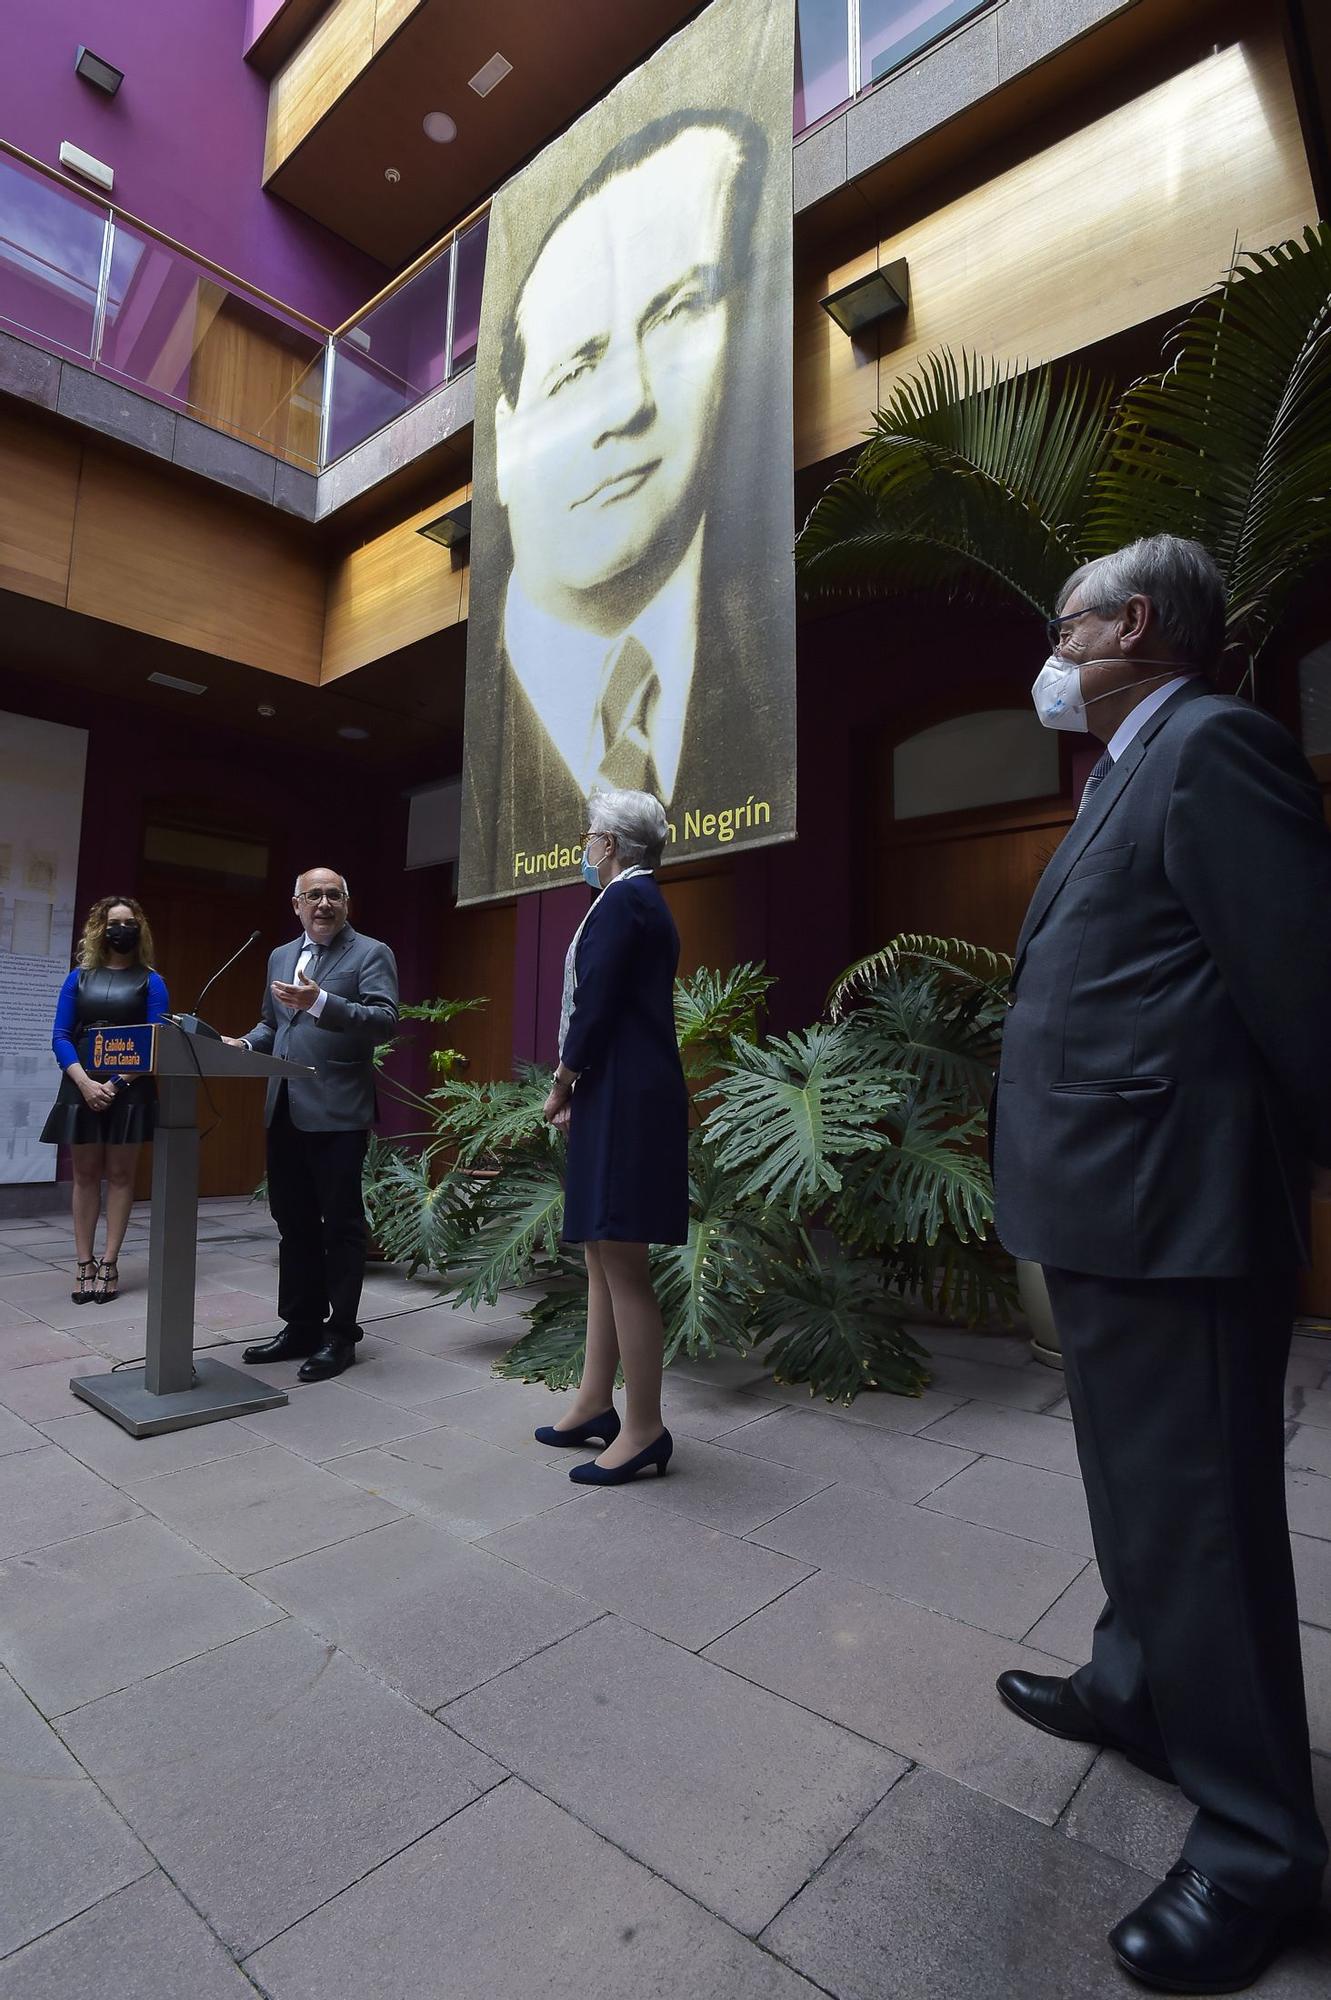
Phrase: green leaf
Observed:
(552, 1350)
(968, 962)
(418, 1214)
(486, 1121)
(520, 1215)
(711, 1008)
(833, 1324)
(705, 1286)
(791, 1111)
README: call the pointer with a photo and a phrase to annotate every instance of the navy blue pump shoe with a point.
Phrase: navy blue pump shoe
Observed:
(605, 1429)
(657, 1454)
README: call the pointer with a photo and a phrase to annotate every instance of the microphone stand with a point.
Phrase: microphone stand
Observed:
(190, 1024)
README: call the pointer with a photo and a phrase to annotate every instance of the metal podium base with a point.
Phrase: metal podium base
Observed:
(218, 1392)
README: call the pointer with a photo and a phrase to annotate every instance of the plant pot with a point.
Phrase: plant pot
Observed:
(1034, 1296)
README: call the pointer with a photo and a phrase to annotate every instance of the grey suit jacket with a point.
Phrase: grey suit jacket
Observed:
(359, 975)
(1166, 1066)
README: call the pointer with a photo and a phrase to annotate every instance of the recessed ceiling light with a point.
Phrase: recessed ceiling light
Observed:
(181, 687)
(392, 175)
(353, 733)
(267, 710)
(437, 125)
(489, 74)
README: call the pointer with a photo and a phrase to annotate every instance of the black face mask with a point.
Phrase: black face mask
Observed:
(122, 937)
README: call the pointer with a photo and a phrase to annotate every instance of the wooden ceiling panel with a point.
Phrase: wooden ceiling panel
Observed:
(564, 59)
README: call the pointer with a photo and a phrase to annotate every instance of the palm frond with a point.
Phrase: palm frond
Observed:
(974, 480)
(969, 962)
(832, 1323)
(944, 1036)
(1232, 443)
(790, 1111)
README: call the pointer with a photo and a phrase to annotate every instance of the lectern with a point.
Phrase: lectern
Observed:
(175, 1388)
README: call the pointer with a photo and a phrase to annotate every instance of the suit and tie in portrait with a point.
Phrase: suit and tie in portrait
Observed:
(331, 999)
(1165, 1081)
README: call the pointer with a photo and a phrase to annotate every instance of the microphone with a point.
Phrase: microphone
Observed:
(190, 1023)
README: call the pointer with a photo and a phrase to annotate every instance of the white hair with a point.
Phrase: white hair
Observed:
(1182, 581)
(636, 819)
(315, 871)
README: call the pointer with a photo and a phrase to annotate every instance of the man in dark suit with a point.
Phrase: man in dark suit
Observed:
(331, 999)
(641, 642)
(1165, 1080)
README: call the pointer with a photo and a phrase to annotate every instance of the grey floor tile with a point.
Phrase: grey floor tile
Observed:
(726, 1489)
(705, 1410)
(731, 1369)
(86, 1617)
(270, 1774)
(1309, 1500)
(438, 1330)
(22, 1263)
(1312, 1574)
(828, 1448)
(263, 1508)
(504, 1413)
(1046, 1507)
(576, 1918)
(972, 1573)
(942, 1891)
(328, 1418)
(130, 1462)
(887, 1412)
(62, 1847)
(1062, 1408)
(15, 1435)
(1136, 1819)
(459, 1482)
(43, 1390)
(686, 1582)
(20, 1346)
(1315, 1408)
(732, 1794)
(1029, 1387)
(142, 1943)
(911, 1680)
(1019, 1435)
(1309, 1449)
(1317, 1684)
(282, 1374)
(403, 1376)
(1067, 1626)
(423, 1611)
(1005, 1350)
(46, 1496)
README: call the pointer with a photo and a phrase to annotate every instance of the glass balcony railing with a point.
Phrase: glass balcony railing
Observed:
(844, 46)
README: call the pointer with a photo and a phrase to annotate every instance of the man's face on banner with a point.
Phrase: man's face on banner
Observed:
(602, 462)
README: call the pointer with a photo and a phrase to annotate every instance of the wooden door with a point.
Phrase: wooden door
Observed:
(195, 929)
(965, 875)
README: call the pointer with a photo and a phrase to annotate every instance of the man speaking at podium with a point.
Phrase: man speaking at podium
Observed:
(331, 999)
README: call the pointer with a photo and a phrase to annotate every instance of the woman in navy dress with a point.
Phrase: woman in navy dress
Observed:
(628, 1133)
(112, 986)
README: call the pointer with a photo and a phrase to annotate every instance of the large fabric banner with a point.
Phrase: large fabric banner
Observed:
(631, 622)
(41, 807)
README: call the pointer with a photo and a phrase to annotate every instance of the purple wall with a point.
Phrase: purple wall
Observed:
(184, 133)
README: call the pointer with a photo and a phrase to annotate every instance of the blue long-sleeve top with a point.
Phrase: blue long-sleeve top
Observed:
(65, 1029)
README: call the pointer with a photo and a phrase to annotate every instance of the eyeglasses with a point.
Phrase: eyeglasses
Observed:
(1054, 626)
(320, 896)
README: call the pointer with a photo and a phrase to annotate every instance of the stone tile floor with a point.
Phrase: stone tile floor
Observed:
(360, 1699)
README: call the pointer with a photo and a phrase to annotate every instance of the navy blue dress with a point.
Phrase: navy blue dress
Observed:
(628, 1135)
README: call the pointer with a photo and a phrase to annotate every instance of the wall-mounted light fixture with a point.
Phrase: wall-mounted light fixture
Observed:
(95, 70)
(450, 529)
(868, 301)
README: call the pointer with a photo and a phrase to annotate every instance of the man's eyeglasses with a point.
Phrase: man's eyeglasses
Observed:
(1054, 626)
(320, 896)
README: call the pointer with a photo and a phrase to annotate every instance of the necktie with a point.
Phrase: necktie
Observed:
(629, 696)
(1094, 782)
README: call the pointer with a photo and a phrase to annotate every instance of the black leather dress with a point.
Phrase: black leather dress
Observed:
(108, 997)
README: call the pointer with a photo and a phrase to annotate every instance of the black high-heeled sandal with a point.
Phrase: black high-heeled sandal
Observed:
(605, 1429)
(108, 1282)
(87, 1276)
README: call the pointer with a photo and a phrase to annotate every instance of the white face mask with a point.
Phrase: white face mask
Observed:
(1056, 690)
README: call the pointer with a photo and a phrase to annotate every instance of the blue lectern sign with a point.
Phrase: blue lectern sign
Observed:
(126, 1052)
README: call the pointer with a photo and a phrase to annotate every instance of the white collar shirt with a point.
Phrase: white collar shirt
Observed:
(561, 669)
(310, 950)
(1133, 724)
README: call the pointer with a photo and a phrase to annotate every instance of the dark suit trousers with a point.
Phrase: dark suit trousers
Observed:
(1177, 1395)
(314, 1194)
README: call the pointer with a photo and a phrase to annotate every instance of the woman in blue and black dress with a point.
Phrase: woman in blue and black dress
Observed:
(112, 986)
(627, 1120)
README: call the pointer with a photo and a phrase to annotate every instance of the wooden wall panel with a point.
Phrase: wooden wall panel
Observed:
(246, 380)
(476, 956)
(195, 567)
(393, 589)
(1132, 216)
(703, 907)
(971, 878)
(326, 65)
(39, 484)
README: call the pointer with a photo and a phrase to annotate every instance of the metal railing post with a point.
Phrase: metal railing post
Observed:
(103, 287)
(326, 400)
(448, 315)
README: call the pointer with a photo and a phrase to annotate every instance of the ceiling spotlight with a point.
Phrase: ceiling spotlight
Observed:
(392, 176)
(267, 710)
(353, 733)
(94, 70)
(437, 125)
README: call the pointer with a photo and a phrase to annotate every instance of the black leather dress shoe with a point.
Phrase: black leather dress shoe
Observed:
(293, 1343)
(1051, 1703)
(1190, 1936)
(330, 1359)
